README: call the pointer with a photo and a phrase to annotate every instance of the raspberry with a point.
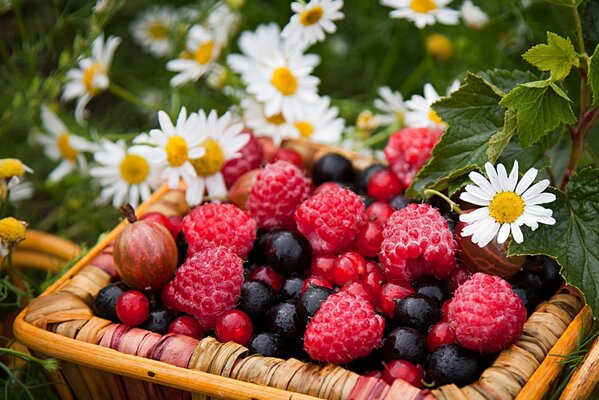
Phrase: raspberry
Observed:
(343, 329)
(417, 241)
(212, 225)
(485, 314)
(331, 219)
(250, 158)
(408, 150)
(208, 284)
(278, 190)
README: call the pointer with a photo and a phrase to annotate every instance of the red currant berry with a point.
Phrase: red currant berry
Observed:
(269, 276)
(168, 295)
(323, 266)
(348, 267)
(316, 281)
(458, 276)
(132, 308)
(159, 218)
(401, 369)
(359, 289)
(373, 277)
(289, 155)
(379, 212)
(326, 187)
(384, 185)
(176, 223)
(186, 325)
(438, 335)
(234, 326)
(445, 309)
(369, 239)
(390, 293)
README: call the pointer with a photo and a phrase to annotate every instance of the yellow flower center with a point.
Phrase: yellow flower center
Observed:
(12, 230)
(439, 46)
(276, 119)
(305, 128)
(506, 207)
(432, 115)
(423, 6)
(311, 16)
(64, 147)
(176, 151)
(284, 81)
(134, 169)
(203, 54)
(88, 77)
(212, 161)
(157, 31)
(10, 167)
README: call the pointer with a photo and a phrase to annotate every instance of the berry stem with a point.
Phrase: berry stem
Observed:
(454, 207)
(129, 213)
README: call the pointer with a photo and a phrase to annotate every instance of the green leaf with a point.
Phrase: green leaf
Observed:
(574, 237)
(473, 115)
(498, 141)
(530, 157)
(567, 3)
(541, 106)
(594, 74)
(557, 56)
(505, 80)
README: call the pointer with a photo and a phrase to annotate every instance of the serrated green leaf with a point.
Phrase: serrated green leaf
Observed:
(574, 237)
(498, 141)
(530, 157)
(594, 74)
(541, 106)
(567, 3)
(557, 56)
(505, 80)
(473, 115)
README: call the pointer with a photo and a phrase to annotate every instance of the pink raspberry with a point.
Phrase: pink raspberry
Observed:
(331, 219)
(485, 314)
(208, 284)
(343, 329)
(278, 190)
(408, 150)
(212, 225)
(417, 241)
(250, 158)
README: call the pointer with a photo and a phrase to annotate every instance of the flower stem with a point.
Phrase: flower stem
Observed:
(50, 364)
(454, 207)
(130, 97)
(578, 25)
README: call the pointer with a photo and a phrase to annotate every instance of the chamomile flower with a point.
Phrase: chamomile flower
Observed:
(152, 30)
(420, 114)
(91, 77)
(392, 105)
(473, 16)
(423, 12)
(506, 204)
(11, 172)
(201, 49)
(61, 145)
(22, 191)
(223, 141)
(12, 231)
(310, 21)
(319, 122)
(367, 121)
(124, 174)
(223, 22)
(275, 127)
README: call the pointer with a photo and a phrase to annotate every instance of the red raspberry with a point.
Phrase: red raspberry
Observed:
(250, 158)
(208, 284)
(408, 150)
(331, 219)
(343, 329)
(485, 314)
(417, 241)
(212, 225)
(278, 190)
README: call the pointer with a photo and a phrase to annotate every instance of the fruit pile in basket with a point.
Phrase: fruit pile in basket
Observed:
(327, 264)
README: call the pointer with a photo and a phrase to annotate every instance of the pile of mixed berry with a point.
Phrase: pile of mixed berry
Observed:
(326, 265)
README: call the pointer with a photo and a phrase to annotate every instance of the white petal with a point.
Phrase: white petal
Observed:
(503, 234)
(517, 233)
(535, 189)
(542, 198)
(488, 235)
(526, 180)
(472, 199)
(482, 183)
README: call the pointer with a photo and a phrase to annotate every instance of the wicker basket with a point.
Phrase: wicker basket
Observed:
(99, 363)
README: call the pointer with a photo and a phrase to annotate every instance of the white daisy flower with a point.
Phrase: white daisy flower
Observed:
(392, 105)
(473, 16)
(152, 30)
(223, 141)
(310, 21)
(367, 121)
(223, 22)
(319, 122)
(275, 127)
(177, 145)
(91, 77)
(506, 204)
(124, 174)
(22, 191)
(61, 145)
(275, 72)
(201, 49)
(419, 113)
(217, 77)
(423, 12)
